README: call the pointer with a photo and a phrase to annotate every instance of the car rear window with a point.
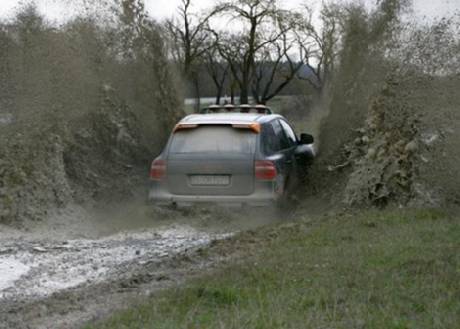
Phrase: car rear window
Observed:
(213, 139)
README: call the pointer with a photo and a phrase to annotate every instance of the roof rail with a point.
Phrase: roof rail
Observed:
(243, 108)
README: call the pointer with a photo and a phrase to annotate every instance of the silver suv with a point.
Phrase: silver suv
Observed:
(232, 156)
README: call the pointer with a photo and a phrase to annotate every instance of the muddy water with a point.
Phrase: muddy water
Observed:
(39, 268)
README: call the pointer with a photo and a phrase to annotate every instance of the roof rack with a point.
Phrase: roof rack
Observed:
(243, 108)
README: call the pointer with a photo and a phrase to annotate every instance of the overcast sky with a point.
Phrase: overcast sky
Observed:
(59, 10)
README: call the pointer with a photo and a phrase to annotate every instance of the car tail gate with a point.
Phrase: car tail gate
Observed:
(212, 160)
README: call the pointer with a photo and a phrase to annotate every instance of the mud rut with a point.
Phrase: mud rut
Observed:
(52, 279)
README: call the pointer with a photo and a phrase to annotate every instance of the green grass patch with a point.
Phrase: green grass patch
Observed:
(395, 270)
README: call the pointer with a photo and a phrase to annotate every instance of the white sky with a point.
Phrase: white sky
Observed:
(59, 10)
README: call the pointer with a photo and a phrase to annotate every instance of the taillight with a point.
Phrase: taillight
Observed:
(181, 126)
(255, 127)
(158, 170)
(265, 170)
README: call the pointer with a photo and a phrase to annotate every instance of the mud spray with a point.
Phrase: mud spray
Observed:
(392, 134)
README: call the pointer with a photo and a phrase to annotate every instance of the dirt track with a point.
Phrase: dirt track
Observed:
(51, 278)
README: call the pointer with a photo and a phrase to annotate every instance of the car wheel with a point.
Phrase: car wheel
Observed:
(286, 201)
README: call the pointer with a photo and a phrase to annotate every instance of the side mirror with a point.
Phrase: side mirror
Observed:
(306, 139)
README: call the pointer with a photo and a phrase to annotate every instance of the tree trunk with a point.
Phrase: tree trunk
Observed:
(219, 94)
(196, 85)
(244, 97)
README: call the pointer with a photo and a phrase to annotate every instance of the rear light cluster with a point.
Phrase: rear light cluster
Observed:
(158, 169)
(265, 170)
(181, 126)
(255, 127)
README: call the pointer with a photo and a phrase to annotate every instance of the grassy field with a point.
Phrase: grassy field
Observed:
(393, 270)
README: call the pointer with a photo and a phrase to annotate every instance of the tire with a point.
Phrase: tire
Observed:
(286, 202)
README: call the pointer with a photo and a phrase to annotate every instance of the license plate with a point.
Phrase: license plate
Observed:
(209, 180)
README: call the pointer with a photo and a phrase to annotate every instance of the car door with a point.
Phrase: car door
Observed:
(289, 149)
(283, 158)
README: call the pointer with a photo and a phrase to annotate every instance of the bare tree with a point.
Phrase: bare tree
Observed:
(274, 67)
(218, 69)
(240, 49)
(189, 35)
(318, 47)
(229, 48)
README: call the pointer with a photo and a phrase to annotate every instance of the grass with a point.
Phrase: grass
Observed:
(392, 270)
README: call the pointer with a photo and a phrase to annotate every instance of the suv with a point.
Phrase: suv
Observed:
(230, 155)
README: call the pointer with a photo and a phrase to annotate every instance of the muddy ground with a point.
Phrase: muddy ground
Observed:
(56, 275)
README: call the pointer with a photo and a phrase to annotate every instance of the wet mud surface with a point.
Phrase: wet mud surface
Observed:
(61, 275)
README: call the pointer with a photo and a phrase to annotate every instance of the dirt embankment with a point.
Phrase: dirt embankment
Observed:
(79, 124)
(392, 131)
(405, 151)
(100, 157)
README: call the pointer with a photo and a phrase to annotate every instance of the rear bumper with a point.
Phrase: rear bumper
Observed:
(264, 195)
